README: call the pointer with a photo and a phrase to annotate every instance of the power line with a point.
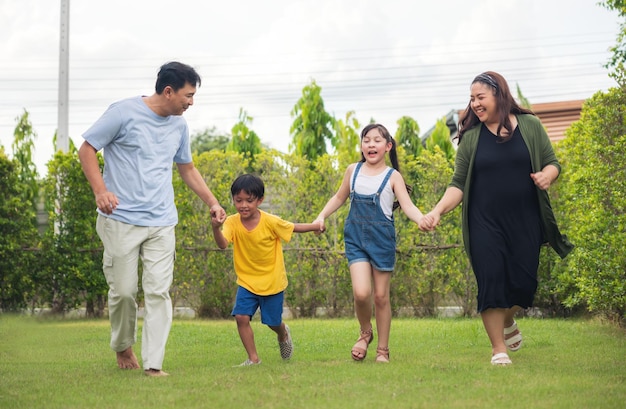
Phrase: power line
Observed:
(407, 82)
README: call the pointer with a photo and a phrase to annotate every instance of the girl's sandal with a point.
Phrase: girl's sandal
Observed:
(382, 355)
(358, 353)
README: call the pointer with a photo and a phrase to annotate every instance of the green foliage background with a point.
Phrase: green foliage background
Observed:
(17, 233)
(61, 269)
(592, 201)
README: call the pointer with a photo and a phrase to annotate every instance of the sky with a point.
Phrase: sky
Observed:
(380, 59)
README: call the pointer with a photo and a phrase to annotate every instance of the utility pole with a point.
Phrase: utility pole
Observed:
(62, 142)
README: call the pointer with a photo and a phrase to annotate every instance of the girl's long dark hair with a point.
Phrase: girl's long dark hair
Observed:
(505, 104)
(393, 153)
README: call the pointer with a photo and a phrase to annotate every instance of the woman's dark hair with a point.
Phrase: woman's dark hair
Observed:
(251, 184)
(393, 154)
(505, 104)
(176, 75)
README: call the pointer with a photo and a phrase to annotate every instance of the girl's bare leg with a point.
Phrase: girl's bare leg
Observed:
(382, 307)
(361, 275)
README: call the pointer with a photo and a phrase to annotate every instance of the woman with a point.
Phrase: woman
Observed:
(504, 165)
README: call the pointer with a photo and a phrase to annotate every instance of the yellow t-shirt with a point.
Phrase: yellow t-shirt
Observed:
(258, 254)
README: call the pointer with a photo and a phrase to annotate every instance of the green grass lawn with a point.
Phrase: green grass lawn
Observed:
(435, 363)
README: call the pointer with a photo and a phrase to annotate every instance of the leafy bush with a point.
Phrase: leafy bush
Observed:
(17, 236)
(70, 270)
(592, 201)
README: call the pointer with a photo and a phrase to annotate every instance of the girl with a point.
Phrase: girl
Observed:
(369, 232)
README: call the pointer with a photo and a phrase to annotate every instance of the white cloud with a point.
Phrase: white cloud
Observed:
(383, 60)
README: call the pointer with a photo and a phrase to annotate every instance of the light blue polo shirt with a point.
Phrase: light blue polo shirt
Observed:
(139, 149)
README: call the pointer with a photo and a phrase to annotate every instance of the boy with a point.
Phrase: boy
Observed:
(259, 264)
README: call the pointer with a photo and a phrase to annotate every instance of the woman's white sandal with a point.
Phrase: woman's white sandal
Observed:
(501, 359)
(515, 339)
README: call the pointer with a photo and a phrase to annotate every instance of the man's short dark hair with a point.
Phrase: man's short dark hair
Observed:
(176, 75)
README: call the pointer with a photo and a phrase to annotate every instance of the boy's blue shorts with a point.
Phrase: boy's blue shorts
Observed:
(271, 306)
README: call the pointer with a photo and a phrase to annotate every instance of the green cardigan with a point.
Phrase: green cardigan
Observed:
(541, 154)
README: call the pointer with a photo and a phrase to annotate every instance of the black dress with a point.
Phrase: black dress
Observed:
(504, 223)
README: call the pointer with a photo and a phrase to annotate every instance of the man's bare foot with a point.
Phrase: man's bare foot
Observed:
(127, 359)
(155, 372)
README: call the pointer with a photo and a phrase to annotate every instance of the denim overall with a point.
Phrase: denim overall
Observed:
(368, 234)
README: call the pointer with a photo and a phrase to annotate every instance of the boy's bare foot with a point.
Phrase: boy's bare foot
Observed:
(127, 359)
(155, 372)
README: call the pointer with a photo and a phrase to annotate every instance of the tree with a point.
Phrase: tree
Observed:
(425, 277)
(523, 101)
(348, 140)
(312, 126)
(208, 140)
(592, 200)
(17, 234)
(590, 196)
(203, 276)
(619, 50)
(71, 266)
(245, 140)
(23, 145)
(408, 135)
(440, 137)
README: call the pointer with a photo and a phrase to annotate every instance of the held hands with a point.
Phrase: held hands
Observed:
(107, 202)
(216, 223)
(429, 221)
(322, 228)
(218, 215)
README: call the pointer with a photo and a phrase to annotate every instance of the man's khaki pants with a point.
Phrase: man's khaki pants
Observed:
(124, 244)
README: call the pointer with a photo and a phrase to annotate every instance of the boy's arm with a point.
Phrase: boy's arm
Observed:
(217, 232)
(306, 227)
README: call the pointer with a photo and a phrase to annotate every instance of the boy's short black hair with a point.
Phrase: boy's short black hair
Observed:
(251, 184)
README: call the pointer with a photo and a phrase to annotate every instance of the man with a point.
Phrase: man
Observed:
(141, 138)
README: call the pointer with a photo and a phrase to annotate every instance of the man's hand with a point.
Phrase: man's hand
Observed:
(218, 213)
(107, 202)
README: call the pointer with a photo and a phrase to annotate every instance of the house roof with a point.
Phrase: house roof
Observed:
(558, 116)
